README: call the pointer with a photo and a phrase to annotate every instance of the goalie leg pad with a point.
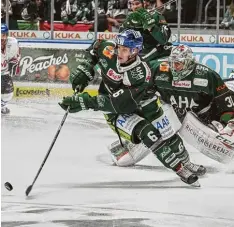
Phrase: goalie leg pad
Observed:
(129, 154)
(205, 140)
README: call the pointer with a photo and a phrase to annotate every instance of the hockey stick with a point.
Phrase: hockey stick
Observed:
(29, 188)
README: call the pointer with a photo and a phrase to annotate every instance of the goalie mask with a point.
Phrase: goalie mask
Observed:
(181, 62)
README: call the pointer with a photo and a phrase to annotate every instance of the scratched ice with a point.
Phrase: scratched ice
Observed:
(78, 186)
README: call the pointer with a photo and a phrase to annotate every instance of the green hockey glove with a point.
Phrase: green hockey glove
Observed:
(76, 102)
(134, 20)
(81, 76)
(147, 20)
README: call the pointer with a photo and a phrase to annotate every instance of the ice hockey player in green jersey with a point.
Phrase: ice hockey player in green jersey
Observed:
(131, 109)
(191, 86)
(154, 29)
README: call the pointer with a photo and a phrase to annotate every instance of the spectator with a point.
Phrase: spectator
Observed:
(57, 8)
(117, 13)
(169, 11)
(76, 10)
(34, 11)
(102, 22)
(228, 21)
(17, 7)
(3, 10)
(12, 21)
(153, 4)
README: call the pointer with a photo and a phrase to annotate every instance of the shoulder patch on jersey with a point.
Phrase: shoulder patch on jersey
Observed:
(164, 67)
(108, 51)
(200, 82)
(201, 70)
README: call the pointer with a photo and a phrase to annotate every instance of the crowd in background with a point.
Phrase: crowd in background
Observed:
(110, 12)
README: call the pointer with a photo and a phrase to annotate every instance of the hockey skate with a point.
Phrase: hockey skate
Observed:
(199, 170)
(188, 177)
(5, 110)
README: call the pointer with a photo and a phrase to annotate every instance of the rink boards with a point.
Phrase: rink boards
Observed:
(46, 90)
(45, 66)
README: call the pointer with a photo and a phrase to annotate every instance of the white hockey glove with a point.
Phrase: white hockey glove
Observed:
(229, 129)
(226, 132)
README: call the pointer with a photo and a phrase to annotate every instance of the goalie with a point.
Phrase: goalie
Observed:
(203, 103)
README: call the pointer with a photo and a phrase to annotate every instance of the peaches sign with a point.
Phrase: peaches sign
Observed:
(47, 64)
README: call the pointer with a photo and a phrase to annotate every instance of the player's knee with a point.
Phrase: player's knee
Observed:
(147, 133)
(7, 97)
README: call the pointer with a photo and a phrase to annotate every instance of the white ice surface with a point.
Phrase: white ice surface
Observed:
(78, 186)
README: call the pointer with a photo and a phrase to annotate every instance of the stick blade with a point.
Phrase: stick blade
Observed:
(28, 190)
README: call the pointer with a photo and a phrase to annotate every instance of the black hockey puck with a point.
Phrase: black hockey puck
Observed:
(8, 186)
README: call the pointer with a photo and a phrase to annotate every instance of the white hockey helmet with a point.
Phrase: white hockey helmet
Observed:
(181, 61)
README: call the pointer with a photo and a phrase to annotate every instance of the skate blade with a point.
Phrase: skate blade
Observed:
(196, 184)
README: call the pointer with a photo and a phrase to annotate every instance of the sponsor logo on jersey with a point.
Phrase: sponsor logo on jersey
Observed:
(221, 87)
(108, 51)
(137, 73)
(200, 82)
(103, 62)
(164, 122)
(162, 77)
(114, 75)
(184, 84)
(166, 151)
(122, 119)
(183, 102)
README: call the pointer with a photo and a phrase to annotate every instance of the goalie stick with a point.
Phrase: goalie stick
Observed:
(228, 79)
